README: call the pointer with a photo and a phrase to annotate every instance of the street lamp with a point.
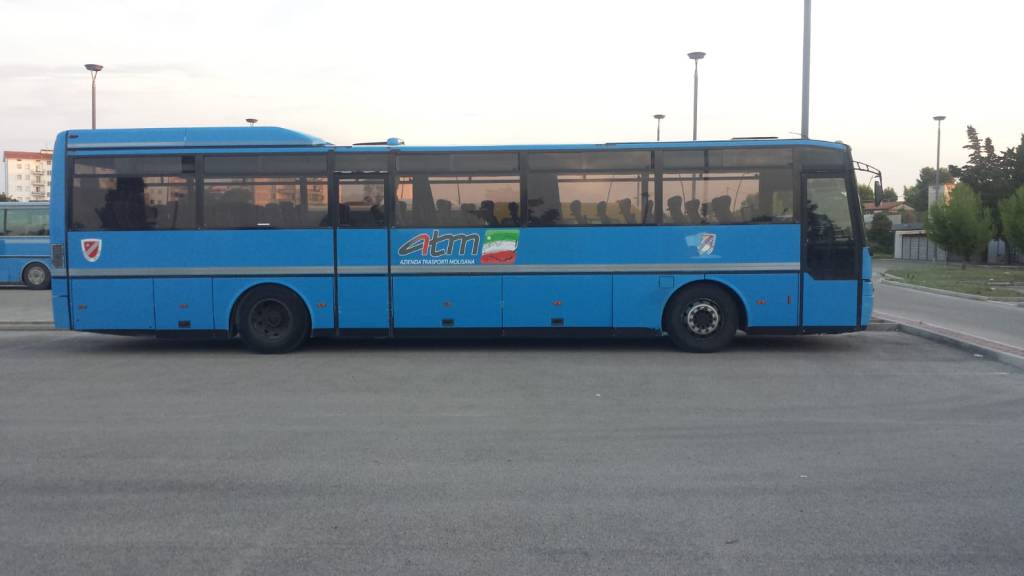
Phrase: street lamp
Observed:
(805, 112)
(938, 149)
(695, 56)
(93, 69)
(659, 118)
(251, 121)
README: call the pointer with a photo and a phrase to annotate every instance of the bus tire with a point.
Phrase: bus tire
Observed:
(272, 320)
(702, 318)
(36, 276)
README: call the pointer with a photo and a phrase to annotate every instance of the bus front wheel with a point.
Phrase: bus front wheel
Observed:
(702, 318)
(35, 276)
(272, 320)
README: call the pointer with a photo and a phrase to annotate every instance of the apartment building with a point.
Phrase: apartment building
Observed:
(27, 175)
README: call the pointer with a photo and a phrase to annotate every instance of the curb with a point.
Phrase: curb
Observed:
(879, 325)
(992, 350)
(887, 279)
(26, 326)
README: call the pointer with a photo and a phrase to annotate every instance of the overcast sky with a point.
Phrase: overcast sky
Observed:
(481, 72)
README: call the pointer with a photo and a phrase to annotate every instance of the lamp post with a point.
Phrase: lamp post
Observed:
(251, 121)
(659, 118)
(696, 57)
(805, 113)
(938, 150)
(93, 69)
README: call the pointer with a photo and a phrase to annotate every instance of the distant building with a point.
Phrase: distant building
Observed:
(912, 243)
(27, 175)
(947, 194)
(894, 210)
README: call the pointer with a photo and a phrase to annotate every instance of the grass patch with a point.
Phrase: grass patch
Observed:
(979, 280)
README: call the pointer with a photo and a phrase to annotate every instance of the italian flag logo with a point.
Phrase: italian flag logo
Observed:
(500, 247)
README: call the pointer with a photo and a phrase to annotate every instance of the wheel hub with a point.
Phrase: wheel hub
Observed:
(271, 318)
(36, 276)
(703, 318)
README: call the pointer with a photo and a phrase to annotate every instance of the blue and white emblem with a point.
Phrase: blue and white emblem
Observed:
(706, 246)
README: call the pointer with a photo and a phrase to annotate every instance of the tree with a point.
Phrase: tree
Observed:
(1011, 211)
(6, 198)
(1013, 163)
(867, 194)
(880, 234)
(963, 226)
(917, 195)
(910, 216)
(986, 172)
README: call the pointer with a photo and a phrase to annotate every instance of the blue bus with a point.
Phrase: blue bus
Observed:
(276, 236)
(25, 244)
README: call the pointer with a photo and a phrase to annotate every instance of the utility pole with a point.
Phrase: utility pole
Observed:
(696, 57)
(938, 150)
(805, 111)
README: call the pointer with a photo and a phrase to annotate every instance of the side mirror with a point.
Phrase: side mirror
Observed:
(878, 192)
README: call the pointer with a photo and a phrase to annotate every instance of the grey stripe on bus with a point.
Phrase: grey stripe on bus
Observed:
(400, 269)
(412, 270)
(212, 271)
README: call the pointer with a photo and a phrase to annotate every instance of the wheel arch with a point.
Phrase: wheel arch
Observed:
(741, 305)
(233, 316)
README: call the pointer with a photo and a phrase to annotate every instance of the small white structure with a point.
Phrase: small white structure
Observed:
(913, 244)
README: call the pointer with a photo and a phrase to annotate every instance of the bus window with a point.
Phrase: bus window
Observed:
(457, 201)
(265, 201)
(361, 162)
(27, 223)
(750, 158)
(830, 242)
(361, 202)
(822, 159)
(765, 196)
(591, 161)
(268, 164)
(129, 193)
(593, 188)
(590, 199)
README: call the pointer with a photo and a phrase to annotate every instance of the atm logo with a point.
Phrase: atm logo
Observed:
(436, 245)
(91, 248)
(495, 247)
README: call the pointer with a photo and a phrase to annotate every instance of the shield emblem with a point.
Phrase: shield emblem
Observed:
(91, 248)
(707, 244)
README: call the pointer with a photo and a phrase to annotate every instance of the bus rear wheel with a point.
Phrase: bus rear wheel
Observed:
(272, 320)
(702, 318)
(35, 276)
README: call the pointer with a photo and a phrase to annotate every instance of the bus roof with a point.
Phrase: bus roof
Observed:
(275, 137)
(189, 137)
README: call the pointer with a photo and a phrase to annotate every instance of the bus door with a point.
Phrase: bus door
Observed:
(831, 251)
(361, 252)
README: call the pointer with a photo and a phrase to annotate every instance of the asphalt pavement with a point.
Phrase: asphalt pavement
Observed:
(1001, 322)
(870, 453)
(19, 305)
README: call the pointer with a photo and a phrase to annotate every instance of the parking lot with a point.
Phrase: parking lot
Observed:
(872, 453)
